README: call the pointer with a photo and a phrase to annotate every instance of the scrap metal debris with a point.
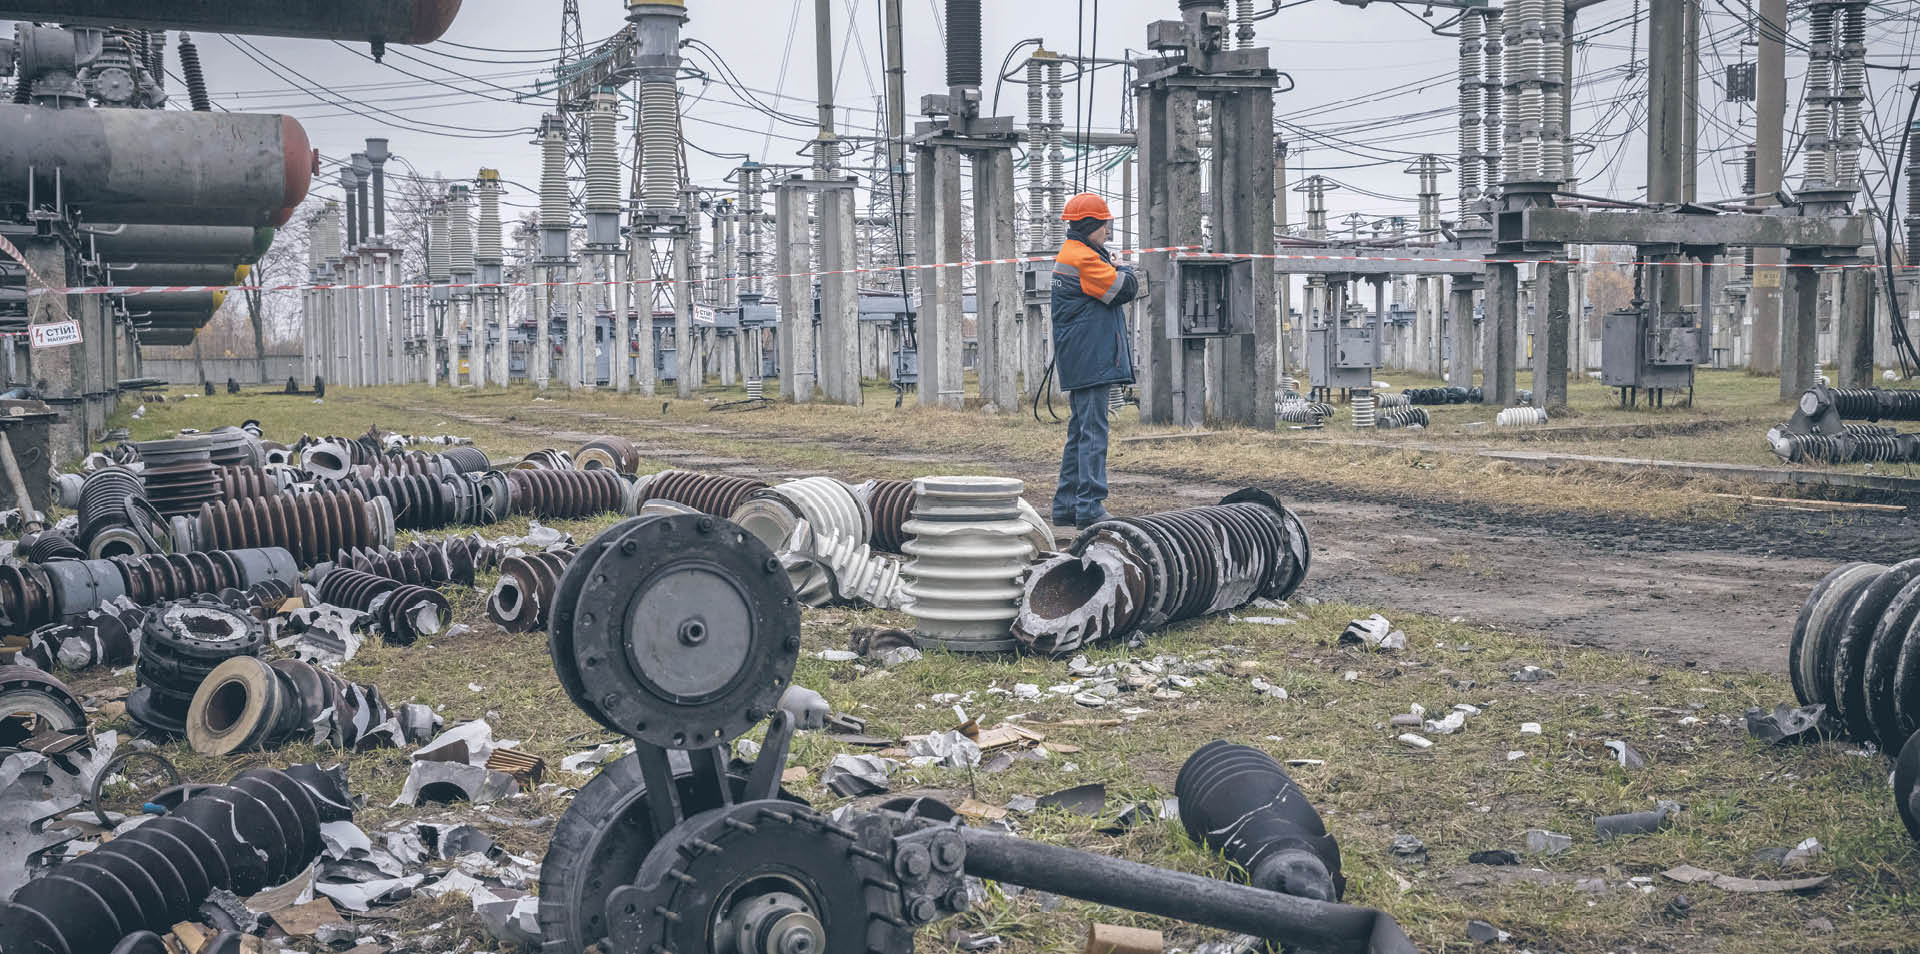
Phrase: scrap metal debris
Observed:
(1688, 874)
(1374, 632)
(1787, 725)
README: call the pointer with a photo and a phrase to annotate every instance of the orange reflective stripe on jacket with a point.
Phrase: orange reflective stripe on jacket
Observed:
(1098, 278)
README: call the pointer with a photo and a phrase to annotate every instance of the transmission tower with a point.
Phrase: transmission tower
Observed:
(573, 55)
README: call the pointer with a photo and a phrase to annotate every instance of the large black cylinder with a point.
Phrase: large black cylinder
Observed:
(182, 244)
(387, 21)
(1237, 800)
(156, 167)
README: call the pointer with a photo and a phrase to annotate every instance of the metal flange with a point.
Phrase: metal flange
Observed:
(680, 631)
(762, 877)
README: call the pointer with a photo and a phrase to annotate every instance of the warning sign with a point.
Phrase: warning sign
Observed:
(1766, 278)
(55, 334)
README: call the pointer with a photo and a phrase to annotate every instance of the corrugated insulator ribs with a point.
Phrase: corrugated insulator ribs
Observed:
(1238, 801)
(402, 611)
(566, 493)
(314, 526)
(716, 494)
(963, 43)
(890, 502)
(260, 829)
(520, 600)
(1187, 564)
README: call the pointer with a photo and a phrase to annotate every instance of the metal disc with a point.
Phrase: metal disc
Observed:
(599, 845)
(1854, 643)
(684, 632)
(1807, 646)
(748, 851)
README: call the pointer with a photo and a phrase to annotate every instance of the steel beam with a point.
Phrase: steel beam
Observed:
(1550, 226)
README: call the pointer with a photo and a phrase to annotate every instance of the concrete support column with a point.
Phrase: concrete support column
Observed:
(618, 350)
(839, 338)
(942, 372)
(1460, 333)
(370, 338)
(642, 264)
(398, 324)
(1500, 347)
(540, 359)
(793, 251)
(1854, 329)
(1550, 342)
(1799, 329)
(996, 287)
(688, 370)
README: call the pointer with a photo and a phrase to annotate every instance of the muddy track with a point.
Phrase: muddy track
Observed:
(1721, 595)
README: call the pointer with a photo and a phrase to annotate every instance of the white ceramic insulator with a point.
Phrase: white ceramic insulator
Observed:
(487, 239)
(1363, 408)
(1521, 417)
(553, 178)
(326, 233)
(969, 550)
(459, 230)
(660, 145)
(439, 255)
(603, 154)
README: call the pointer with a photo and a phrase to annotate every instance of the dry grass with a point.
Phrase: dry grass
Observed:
(1461, 796)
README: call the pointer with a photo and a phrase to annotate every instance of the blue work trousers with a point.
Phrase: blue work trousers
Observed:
(1083, 465)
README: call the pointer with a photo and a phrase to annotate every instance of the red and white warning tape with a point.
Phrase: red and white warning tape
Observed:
(1189, 250)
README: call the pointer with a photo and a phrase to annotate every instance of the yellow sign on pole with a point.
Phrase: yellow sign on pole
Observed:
(1766, 278)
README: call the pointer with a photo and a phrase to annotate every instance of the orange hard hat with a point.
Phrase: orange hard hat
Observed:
(1086, 205)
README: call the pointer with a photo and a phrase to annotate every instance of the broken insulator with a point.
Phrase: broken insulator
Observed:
(1238, 801)
(1193, 563)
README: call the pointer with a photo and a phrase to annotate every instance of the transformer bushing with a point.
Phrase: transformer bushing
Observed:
(488, 254)
(555, 219)
(603, 171)
(460, 239)
(968, 550)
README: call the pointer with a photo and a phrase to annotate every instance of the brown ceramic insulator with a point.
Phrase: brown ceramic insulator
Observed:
(26, 598)
(466, 460)
(890, 502)
(246, 481)
(411, 612)
(548, 459)
(520, 599)
(419, 502)
(716, 494)
(50, 545)
(420, 564)
(312, 526)
(565, 493)
(103, 499)
(611, 451)
(161, 577)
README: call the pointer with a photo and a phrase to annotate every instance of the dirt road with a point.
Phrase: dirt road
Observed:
(1720, 596)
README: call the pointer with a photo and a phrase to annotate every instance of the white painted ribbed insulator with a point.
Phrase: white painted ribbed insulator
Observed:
(1037, 232)
(826, 504)
(439, 254)
(1243, 16)
(826, 566)
(486, 246)
(603, 153)
(460, 229)
(1521, 417)
(1362, 406)
(660, 145)
(1056, 155)
(554, 214)
(326, 232)
(969, 551)
(756, 388)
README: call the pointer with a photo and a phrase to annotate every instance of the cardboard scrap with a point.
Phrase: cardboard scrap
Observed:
(304, 919)
(1114, 939)
(974, 808)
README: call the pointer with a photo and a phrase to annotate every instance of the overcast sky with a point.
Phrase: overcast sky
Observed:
(1373, 87)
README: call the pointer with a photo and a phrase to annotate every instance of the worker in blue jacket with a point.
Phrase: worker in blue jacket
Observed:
(1091, 353)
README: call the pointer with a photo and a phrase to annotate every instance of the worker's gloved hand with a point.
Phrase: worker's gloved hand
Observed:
(808, 708)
